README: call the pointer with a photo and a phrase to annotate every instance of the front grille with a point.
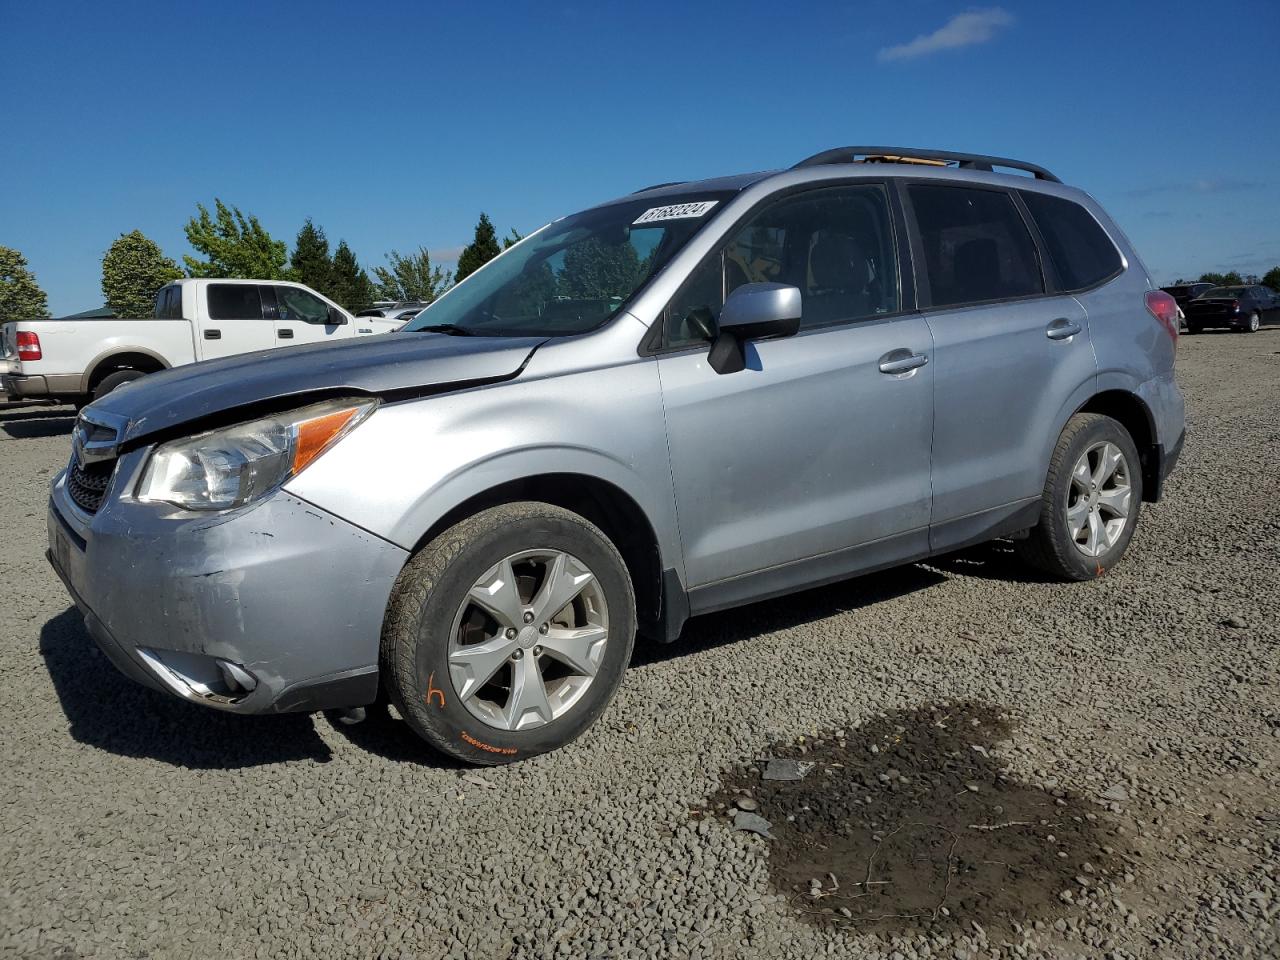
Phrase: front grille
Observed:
(87, 485)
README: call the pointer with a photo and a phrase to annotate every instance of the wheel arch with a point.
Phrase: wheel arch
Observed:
(1129, 410)
(661, 605)
(130, 358)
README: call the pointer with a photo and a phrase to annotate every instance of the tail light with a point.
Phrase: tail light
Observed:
(28, 346)
(1235, 306)
(1165, 309)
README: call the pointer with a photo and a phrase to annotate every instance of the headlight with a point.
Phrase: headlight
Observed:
(237, 465)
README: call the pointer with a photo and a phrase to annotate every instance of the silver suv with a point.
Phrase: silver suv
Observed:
(697, 396)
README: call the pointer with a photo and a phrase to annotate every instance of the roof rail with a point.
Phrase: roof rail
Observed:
(964, 161)
(669, 183)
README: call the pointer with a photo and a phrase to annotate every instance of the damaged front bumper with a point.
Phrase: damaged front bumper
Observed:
(271, 608)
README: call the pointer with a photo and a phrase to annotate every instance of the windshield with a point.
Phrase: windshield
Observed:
(1224, 293)
(573, 275)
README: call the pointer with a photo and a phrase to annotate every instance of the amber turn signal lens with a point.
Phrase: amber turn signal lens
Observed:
(316, 434)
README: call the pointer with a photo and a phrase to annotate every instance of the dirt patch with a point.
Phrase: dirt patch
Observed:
(912, 822)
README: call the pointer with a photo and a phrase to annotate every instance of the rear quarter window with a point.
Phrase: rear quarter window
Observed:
(234, 301)
(1080, 249)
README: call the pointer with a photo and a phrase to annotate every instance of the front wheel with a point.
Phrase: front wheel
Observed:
(1091, 499)
(509, 633)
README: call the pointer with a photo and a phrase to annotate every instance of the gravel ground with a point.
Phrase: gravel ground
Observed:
(1132, 724)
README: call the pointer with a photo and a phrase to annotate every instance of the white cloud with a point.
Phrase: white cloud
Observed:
(962, 30)
(445, 254)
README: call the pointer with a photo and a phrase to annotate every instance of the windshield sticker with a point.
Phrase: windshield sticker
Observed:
(677, 211)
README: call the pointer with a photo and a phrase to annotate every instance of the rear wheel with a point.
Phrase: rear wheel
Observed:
(117, 379)
(1091, 500)
(508, 634)
(1253, 324)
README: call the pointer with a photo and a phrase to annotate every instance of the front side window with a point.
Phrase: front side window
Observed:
(976, 246)
(295, 304)
(835, 244)
(235, 301)
(1080, 249)
(576, 273)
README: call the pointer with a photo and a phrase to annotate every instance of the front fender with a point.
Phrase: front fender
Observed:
(410, 464)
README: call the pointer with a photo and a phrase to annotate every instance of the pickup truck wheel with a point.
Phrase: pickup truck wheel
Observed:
(113, 380)
(508, 634)
(1090, 504)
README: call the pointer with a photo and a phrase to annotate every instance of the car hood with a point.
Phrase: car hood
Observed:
(392, 363)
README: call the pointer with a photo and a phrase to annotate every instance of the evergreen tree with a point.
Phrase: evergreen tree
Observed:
(349, 284)
(310, 263)
(410, 277)
(133, 269)
(1272, 278)
(512, 239)
(482, 249)
(20, 296)
(236, 246)
(593, 269)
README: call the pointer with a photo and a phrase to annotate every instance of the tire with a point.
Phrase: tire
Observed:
(1253, 324)
(1098, 545)
(434, 621)
(117, 379)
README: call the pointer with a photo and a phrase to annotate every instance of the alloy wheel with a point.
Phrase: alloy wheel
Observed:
(528, 639)
(1097, 508)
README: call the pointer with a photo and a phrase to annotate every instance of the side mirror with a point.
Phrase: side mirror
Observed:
(754, 311)
(336, 317)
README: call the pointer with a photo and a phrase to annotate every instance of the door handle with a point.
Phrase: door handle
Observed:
(1062, 329)
(213, 334)
(284, 334)
(902, 360)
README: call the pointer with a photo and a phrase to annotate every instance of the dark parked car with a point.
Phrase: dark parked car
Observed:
(1243, 308)
(1183, 292)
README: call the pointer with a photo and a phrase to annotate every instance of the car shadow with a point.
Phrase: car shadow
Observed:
(993, 560)
(26, 423)
(108, 711)
(713, 630)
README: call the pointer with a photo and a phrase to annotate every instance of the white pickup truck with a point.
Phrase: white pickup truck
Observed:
(81, 360)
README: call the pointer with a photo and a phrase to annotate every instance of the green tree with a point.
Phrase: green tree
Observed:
(1272, 278)
(1229, 279)
(593, 269)
(20, 296)
(482, 248)
(235, 246)
(512, 239)
(410, 277)
(310, 262)
(350, 285)
(133, 269)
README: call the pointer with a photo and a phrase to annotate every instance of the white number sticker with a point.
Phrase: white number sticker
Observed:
(677, 211)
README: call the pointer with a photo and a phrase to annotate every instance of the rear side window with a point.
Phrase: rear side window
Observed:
(1081, 251)
(235, 301)
(169, 303)
(976, 245)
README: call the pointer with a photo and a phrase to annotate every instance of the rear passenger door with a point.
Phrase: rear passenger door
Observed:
(302, 317)
(1008, 353)
(236, 321)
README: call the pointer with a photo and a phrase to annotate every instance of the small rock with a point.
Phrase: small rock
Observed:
(746, 803)
(1115, 793)
(786, 769)
(1235, 622)
(752, 823)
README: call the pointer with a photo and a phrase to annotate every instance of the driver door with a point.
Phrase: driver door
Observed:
(302, 317)
(813, 462)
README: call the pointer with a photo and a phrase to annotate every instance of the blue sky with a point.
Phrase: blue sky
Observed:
(393, 124)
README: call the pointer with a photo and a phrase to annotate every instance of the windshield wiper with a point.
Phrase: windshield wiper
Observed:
(451, 329)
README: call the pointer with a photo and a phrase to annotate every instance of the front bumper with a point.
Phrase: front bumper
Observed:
(285, 592)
